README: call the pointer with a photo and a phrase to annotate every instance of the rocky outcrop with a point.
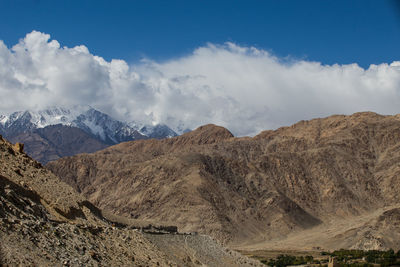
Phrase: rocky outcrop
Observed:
(18, 147)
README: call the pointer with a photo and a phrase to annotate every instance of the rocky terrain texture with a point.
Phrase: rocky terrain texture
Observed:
(331, 183)
(44, 222)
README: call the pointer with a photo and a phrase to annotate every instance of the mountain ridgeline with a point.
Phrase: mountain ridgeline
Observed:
(58, 132)
(330, 183)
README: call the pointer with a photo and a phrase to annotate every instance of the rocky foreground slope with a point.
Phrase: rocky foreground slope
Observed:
(330, 183)
(44, 222)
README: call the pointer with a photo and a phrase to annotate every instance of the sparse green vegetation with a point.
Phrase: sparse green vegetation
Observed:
(285, 260)
(383, 258)
(345, 258)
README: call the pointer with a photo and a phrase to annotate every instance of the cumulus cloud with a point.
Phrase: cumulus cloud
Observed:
(242, 88)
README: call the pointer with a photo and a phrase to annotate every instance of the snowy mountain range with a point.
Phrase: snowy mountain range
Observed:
(90, 120)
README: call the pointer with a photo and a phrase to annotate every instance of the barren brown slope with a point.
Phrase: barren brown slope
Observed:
(44, 222)
(56, 141)
(248, 190)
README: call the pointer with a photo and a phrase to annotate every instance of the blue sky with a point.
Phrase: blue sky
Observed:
(245, 65)
(339, 31)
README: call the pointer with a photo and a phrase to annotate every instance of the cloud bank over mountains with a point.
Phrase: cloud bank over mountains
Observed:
(242, 88)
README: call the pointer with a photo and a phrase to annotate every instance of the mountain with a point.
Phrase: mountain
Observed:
(57, 141)
(86, 129)
(158, 131)
(91, 121)
(106, 128)
(16, 123)
(44, 222)
(330, 183)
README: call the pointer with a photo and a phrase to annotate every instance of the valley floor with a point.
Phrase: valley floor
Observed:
(370, 230)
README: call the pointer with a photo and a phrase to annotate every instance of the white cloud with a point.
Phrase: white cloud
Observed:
(242, 88)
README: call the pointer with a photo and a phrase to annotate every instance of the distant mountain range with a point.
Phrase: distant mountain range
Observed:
(57, 132)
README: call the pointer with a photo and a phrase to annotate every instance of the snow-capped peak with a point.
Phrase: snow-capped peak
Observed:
(41, 118)
(107, 128)
(157, 131)
(53, 116)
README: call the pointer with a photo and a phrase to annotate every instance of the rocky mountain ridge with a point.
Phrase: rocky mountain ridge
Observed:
(279, 186)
